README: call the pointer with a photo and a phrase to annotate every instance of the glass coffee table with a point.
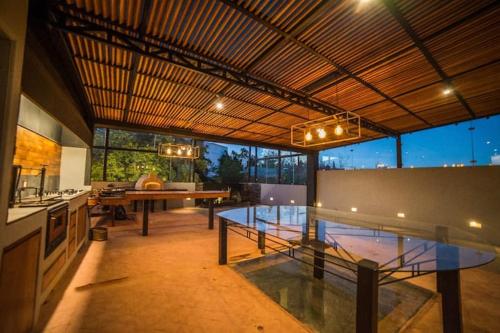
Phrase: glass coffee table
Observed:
(368, 251)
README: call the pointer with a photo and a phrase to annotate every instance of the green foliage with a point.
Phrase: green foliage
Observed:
(125, 165)
(230, 169)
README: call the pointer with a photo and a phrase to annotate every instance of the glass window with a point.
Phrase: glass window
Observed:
(374, 154)
(265, 152)
(99, 136)
(129, 166)
(267, 170)
(293, 169)
(136, 140)
(468, 143)
(97, 166)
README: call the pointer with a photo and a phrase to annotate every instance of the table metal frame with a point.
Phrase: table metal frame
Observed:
(368, 275)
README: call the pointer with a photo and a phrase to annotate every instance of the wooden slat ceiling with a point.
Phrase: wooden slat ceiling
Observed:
(351, 54)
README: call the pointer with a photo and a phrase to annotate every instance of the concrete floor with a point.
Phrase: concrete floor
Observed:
(170, 282)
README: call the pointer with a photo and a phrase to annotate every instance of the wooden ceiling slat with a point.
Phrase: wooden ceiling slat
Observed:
(461, 35)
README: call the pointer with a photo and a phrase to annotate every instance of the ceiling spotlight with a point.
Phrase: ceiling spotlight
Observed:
(447, 91)
(169, 151)
(179, 151)
(189, 152)
(321, 133)
(219, 105)
(308, 136)
(319, 204)
(339, 130)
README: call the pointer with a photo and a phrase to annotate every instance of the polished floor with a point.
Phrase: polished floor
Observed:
(170, 282)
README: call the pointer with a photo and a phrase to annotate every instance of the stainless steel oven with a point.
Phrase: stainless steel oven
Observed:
(57, 224)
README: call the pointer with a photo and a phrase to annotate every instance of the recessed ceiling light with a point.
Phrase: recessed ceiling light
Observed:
(319, 204)
(271, 198)
(401, 215)
(292, 201)
(219, 105)
(447, 91)
(354, 209)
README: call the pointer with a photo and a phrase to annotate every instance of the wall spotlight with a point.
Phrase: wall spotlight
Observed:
(475, 224)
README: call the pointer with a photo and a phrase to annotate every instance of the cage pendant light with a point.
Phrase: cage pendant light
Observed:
(344, 126)
(178, 151)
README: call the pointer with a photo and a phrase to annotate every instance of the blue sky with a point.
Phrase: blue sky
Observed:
(434, 147)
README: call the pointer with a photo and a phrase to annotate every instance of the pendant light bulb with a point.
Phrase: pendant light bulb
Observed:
(339, 130)
(169, 151)
(219, 105)
(321, 133)
(309, 136)
(189, 152)
(179, 151)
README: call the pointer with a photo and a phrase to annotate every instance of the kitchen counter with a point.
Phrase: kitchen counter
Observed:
(19, 213)
(15, 214)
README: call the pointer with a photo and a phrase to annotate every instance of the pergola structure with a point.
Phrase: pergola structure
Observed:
(164, 65)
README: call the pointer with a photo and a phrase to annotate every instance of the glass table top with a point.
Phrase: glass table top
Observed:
(395, 244)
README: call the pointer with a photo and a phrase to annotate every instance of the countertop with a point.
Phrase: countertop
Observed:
(15, 214)
(19, 213)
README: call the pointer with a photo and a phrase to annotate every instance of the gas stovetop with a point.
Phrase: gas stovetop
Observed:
(43, 203)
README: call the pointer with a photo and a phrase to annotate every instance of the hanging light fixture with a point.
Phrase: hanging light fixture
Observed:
(345, 126)
(338, 130)
(308, 136)
(181, 151)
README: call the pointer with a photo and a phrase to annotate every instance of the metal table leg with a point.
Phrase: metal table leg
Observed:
(319, 251)
(261, 241)
(367, 297)
(145, 216)
(210, 214)
(451, 304)
(222, 241)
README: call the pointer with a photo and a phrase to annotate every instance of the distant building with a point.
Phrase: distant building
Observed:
(495, 159)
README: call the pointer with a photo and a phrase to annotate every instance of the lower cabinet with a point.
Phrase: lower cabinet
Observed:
(81, 229)
(18, 280)
(72, 233)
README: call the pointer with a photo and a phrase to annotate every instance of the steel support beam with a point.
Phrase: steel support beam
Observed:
(101, 30)
(396, 13)
(146, 7)
(342, 69)
(175, 131)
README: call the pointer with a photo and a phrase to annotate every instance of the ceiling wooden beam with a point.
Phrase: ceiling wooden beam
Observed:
(235, 5)
(87, 26)
(396, 13)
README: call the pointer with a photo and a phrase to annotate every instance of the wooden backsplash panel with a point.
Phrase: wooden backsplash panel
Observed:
(33, 150)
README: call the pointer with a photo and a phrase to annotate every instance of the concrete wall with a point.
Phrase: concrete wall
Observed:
(282, 194)
(451, 196)
(44, 86)
(13, 18)
(73, 168)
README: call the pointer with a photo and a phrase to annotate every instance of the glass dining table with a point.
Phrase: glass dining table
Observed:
(369, 251)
